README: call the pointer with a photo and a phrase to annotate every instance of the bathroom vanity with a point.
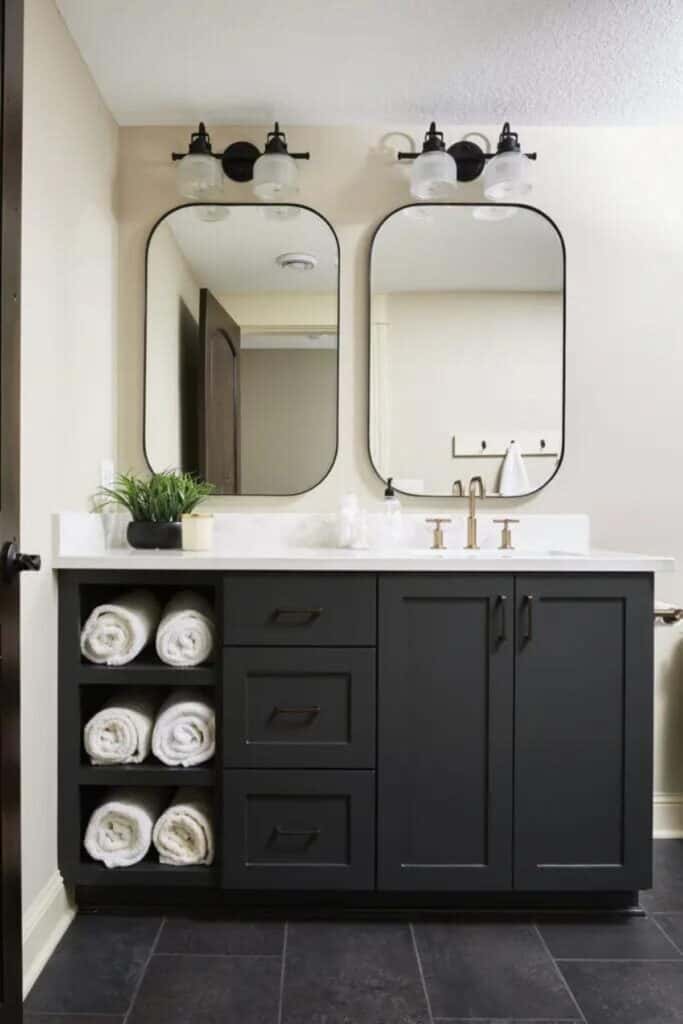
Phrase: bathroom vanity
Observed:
(434, 726)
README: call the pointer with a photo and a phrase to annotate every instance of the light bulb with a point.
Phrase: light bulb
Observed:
(434, 175)
(199, 176)
(275, 177)
(508, 177)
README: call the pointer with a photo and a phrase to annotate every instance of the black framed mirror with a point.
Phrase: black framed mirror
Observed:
(242, 346)
(467, 348)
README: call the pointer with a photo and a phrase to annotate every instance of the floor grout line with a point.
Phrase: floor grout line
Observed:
(143, 972)
(618, 960)
(282, 974)
(666, 935)
(556, 966)
(421, 973)
(225, 956)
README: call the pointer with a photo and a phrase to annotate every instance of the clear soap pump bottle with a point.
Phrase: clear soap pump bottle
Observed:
(393, 524)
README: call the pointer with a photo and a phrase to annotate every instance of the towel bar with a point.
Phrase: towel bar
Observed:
(669, 615)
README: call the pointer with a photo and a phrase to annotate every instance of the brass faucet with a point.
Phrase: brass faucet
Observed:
(437, 540)
(476, 485)
(457, 489)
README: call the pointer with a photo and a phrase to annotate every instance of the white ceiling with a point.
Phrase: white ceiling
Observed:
(388, 61)
(238, 254)
(451, 251)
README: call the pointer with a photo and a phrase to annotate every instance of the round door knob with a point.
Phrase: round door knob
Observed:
(12, 561)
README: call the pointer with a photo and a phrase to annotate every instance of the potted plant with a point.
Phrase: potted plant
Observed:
(156, 505)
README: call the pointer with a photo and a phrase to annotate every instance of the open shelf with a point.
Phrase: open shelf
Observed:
(150, 773)
(146, 670)
(147, 872)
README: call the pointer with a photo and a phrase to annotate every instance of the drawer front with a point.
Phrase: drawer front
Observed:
(299, 707)
(299, 830)
(300, 609)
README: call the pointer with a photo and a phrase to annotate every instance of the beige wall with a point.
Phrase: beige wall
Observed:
(69, 315)
(491, 364)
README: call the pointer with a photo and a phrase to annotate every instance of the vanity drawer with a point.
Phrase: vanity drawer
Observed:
(287, 707)
(300, 609)
(299, 830)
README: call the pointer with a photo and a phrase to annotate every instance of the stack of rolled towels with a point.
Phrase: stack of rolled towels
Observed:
(183, 631)
(122, 829)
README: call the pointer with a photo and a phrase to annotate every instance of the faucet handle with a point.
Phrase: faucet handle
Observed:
(506, 534)
(437, 542)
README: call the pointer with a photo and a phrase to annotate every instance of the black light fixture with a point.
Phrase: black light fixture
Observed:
(437, 170)
(273, 171)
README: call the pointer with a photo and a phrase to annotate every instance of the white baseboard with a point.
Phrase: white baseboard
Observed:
(45, 921)
(668, 816)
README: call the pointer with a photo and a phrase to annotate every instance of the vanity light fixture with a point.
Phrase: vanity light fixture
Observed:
(437, 170)
(274, 171)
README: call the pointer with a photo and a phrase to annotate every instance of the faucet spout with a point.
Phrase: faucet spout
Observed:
(476, 489)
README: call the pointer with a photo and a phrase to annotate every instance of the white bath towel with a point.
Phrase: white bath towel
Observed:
(185, 730)
(121, 732)
(119, 832)
(184, 832)
(115, 633)
(186, 631)
(513, 475)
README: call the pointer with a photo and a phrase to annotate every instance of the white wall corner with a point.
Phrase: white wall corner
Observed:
(668, 816)
(44, 923)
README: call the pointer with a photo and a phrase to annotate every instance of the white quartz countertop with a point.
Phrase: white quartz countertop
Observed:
(305, 543)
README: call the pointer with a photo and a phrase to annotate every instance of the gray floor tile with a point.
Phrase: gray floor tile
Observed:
(208, 990)
(96, 967)
(69, 1018)
(606, 938)
(628, 993)
(667, 892)
(491, 969)
(227, 938)
(337, 972)
(673, 926)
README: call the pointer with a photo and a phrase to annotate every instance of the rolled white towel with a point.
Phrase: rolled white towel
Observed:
(121, 731)
(184, 832)
(115, 633)
(185, 730)
(186, 631)
(119, 832)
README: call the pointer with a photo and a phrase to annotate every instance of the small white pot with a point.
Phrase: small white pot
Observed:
(198, 531)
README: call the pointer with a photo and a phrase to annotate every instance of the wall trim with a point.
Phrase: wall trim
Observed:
(44, 923)
(668, 816)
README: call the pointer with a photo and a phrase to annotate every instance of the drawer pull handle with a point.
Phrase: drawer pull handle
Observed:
(296, 616)
(312, 712)
(309, 834)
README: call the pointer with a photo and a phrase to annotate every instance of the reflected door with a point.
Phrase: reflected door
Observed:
(219, 442)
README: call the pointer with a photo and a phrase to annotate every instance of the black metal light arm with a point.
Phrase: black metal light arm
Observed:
(238, 158)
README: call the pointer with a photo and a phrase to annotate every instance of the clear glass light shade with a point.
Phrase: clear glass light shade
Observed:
(508, 177)
(433, 175)
(199, 176)
(210, 214)
(275, 176)
(492, 212)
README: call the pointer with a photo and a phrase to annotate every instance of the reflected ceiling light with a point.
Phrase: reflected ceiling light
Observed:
(437, 170)
(281, 213)
(274, 171)
(296, 261)
(509, 174)
(199, 175)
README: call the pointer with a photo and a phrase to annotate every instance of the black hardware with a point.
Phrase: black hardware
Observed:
(312, 711)
(13, 562)
(200, 143)
(308, 615)
(528, 634)
(469, 157)
(309, 834)
(238, 158)
(501, 605)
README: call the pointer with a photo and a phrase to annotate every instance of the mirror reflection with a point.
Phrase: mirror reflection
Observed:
(241, 347)
(467, 349)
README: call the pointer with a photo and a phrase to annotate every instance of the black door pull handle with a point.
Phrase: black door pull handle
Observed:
(502, 611)
(528, 634)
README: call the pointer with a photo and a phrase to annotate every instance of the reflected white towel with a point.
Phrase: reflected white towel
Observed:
(185, 633)
(121, 732)
(513, 475)
(119, 832)
(185, 730)
(184, 832)
(115, 633)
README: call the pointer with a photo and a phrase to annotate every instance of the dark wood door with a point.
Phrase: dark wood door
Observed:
(583, 733)
(445, 693)
(219, 395)
(11, 12)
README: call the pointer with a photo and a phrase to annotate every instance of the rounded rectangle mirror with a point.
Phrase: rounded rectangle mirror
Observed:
(467, 348)
(241, 346)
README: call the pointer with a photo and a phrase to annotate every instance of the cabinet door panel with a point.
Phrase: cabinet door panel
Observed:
(583, 733)
(445, 732)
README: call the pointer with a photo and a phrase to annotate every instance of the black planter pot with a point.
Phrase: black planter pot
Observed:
(154, 535)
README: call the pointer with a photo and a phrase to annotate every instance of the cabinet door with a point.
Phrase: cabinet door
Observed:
(445, 732)
(583, 732)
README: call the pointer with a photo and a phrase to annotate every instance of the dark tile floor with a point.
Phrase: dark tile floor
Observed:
(489, 969)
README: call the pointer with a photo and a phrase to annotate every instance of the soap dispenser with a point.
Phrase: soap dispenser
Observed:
(392, 526)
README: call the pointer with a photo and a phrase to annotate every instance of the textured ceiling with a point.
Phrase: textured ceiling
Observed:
(353, 61)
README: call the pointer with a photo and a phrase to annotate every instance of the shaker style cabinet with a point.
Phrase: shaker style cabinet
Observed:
(515, 733)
